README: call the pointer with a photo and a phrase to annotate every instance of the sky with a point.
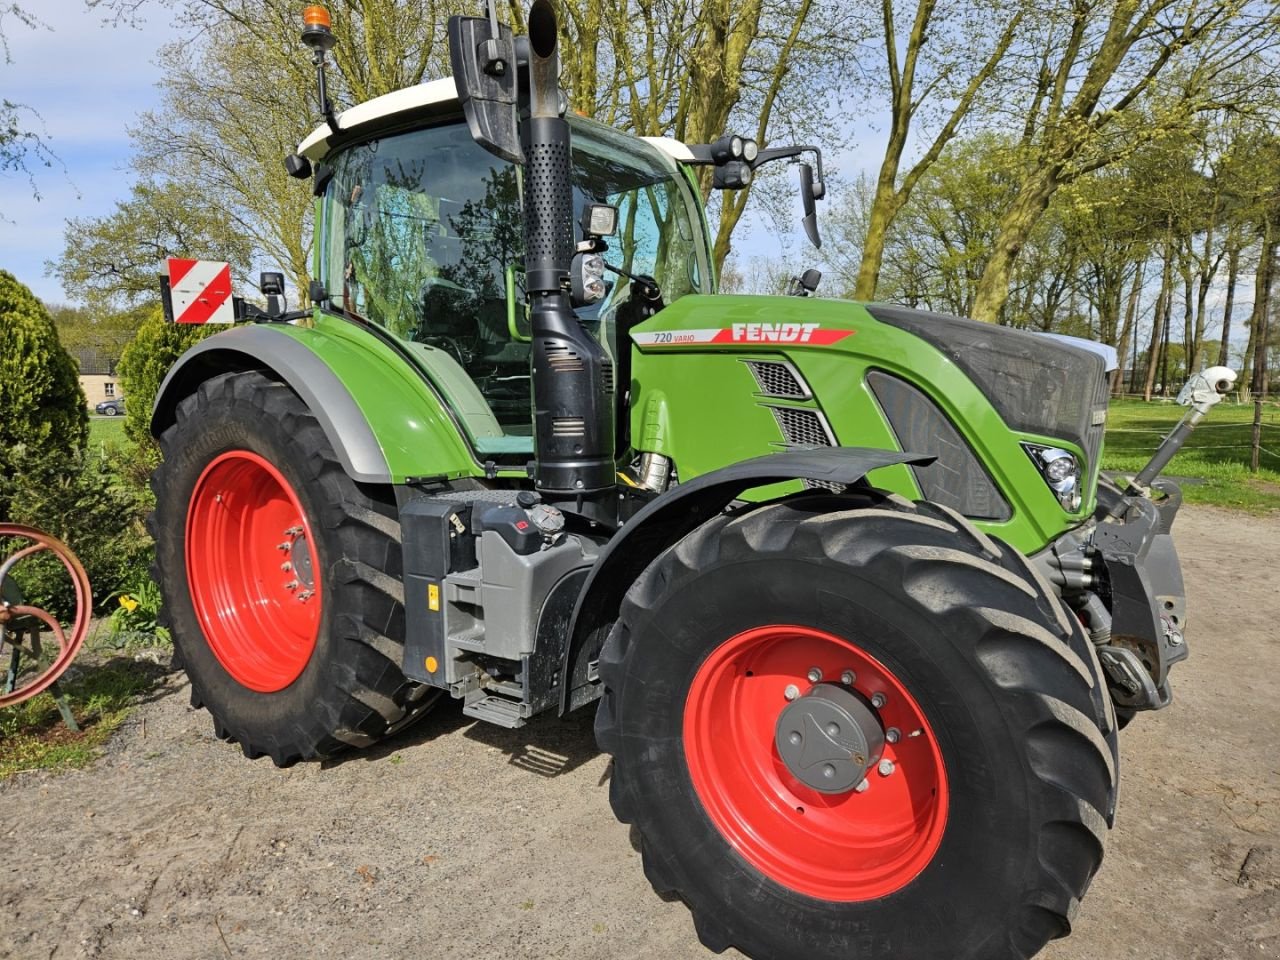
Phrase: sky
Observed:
(88, 82)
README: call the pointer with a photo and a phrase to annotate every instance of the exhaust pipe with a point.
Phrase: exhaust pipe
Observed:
(572, 376)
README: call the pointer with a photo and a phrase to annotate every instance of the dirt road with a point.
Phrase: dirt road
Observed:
(463, 840)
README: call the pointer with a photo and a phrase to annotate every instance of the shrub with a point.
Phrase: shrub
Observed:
(143, 365)
(40, 396)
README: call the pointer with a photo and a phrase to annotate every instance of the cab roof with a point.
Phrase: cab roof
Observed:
(433, 98)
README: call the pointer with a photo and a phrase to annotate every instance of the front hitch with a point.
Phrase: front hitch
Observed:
(1121, 571)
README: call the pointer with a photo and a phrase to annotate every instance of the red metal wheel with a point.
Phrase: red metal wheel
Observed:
(860, 844)
(68, 646)
(252, 571)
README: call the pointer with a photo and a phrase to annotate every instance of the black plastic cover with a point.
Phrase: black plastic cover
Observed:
(957, 479)
(1037, 384)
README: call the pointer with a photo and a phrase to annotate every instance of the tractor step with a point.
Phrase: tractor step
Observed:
(497, 710)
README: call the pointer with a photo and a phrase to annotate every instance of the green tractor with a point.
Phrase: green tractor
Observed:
(861, 619)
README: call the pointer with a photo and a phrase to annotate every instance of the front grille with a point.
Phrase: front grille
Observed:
(777, 379)
(803, 428)
(1097, 427)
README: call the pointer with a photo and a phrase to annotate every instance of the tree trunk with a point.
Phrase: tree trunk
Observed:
(1261, 287)
(1126, 332)
(884, 208)
(1261, 303)
(1160, 320)
(1233, 271)
(1014, 229)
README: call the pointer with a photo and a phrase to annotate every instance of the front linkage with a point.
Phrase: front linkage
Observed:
(1120, 571)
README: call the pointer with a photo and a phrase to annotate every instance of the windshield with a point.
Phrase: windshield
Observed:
(423, 237)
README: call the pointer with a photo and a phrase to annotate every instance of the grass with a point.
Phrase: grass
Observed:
(1216, 456)
(33, 736)
(108, 430)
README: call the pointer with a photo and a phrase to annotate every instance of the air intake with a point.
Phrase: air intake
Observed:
(803, 428)
(568, 427)
(778, 379)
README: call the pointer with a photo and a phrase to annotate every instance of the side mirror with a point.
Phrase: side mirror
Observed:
(272, 287)
(482, 53)
(806, 284)
(809, 195)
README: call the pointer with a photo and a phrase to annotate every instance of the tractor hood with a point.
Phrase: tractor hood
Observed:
(778, 372)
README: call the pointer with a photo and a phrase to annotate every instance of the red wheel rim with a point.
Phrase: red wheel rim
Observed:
(252, 571)
(836, 847)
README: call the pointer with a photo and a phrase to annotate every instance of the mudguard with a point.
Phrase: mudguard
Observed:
(250, 348)
(677, 513)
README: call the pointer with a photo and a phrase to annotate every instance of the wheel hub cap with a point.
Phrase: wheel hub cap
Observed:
(829, 738)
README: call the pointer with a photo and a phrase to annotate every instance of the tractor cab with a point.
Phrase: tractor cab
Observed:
(420, 234)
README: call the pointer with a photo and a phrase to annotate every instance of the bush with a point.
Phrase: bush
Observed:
(143, 365)
(84, 501)
(40, 396)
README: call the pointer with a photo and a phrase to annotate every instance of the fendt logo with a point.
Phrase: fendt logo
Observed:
(811, 334)
(774, 332)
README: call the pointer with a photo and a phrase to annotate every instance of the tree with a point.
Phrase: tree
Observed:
(1111, 76)
(143, 365)
(114, 262)
(944, 69)
(44, 407)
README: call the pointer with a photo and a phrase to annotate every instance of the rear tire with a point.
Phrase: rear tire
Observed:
(288, 676)
(1002, 803)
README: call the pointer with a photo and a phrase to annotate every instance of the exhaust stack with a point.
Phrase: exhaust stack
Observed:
(572, 379)
(513, 111)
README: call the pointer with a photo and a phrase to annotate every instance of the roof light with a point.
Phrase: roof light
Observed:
(316, 16)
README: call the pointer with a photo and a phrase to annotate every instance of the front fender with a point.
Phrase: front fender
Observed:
(676, 514)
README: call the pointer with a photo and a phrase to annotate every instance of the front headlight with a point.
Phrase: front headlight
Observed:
(1061, 470)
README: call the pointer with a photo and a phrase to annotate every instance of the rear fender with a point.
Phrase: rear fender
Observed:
(673, 516)
(382, 420)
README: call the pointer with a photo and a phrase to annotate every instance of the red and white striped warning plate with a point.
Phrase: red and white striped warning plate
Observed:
(201, 291)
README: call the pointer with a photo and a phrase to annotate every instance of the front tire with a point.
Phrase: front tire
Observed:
(280, 576)
(984, 829)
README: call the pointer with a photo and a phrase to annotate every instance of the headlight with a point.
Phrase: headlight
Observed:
(587, 279)
(1061, 471)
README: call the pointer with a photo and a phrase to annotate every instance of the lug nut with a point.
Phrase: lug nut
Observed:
(791, 692)
(286, 546)
(862, 787)
(814, 674)
(885, 768)
(848, 677)
(893, 735)
(291, 585)
(286, 566)
(305, 595)
(878, 700)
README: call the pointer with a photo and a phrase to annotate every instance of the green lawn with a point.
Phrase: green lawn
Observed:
(106, 430)
(1216, 456)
